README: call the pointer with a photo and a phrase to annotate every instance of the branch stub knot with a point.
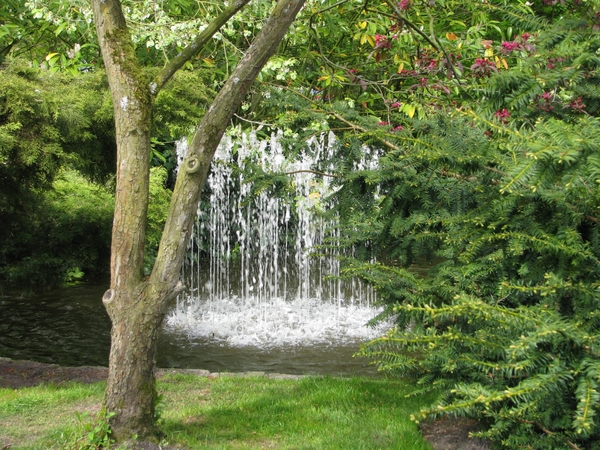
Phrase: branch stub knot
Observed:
(108, 296)
(192, 165)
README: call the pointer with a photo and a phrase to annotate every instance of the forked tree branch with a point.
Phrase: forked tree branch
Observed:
(202, 147)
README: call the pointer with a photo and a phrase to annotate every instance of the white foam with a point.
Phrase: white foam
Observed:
(274, 324)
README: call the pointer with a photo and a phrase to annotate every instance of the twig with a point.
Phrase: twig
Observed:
(315, 172)
(550, 433)
(433, 41)
(352, 126)
(364, 130)
(261, 124)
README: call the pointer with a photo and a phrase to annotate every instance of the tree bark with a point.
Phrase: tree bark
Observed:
(137, 306)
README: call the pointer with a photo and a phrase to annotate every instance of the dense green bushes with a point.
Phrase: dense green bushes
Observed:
(67, 232)
(51, 227)
(60, 123)
(504, 194)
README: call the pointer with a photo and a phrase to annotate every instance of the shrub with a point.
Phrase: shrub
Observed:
(69, 229)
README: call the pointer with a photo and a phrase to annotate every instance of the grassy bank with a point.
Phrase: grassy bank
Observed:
(229, 413)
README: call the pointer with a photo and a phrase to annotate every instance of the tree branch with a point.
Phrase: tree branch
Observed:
(195, 46)
(352, 126)
(433, 41)
(315, 172)
(364, 130)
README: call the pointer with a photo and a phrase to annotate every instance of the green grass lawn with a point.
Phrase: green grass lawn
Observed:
(229, 413)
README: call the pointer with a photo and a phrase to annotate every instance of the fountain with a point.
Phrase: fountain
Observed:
(260, 271)
(256, 299)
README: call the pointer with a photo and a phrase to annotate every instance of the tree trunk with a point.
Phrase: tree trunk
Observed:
(137, 306)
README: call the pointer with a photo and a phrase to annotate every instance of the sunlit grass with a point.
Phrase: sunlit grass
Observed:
(49, 416)
(230, 413)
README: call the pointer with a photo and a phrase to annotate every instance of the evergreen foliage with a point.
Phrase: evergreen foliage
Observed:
(158, 208)
(55, 121)
(47, 123)
(177, 109)
(502, 199)
(67, 236)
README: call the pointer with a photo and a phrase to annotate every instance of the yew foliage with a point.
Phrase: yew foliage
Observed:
(496, 184)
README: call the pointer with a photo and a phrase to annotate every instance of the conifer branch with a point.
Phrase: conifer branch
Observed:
(549, 433)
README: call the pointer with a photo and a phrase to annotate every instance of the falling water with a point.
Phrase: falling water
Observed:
(260, 271)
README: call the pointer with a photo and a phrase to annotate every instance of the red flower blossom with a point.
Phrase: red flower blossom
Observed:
(546, 101)
(382, 41)
(510, 46)
(483, 68)
(577, 105)
(502, 115)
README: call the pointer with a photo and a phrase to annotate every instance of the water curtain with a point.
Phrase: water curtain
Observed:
(252, 273)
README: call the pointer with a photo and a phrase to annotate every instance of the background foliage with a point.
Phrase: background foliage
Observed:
(65, 236)
(51, 122)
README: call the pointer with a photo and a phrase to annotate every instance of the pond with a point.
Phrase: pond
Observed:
(69, 326)
(265, 291)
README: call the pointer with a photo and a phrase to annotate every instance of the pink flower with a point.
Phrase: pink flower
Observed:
(552, 62)
(483, 68)
(502, 115)
(577, 105)
(395, 105)
(382, 41)
(398, 128)
(510, 46)
(546, 103)
(383, 123)
(433, 64)
(404, 4)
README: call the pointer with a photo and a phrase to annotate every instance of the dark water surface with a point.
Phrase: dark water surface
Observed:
(69, 326)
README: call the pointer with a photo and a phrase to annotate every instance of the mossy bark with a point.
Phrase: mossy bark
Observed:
(136, 305)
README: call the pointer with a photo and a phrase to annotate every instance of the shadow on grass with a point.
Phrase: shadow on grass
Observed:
(323, 413)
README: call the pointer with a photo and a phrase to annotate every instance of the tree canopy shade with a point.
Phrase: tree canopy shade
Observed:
(137, 305)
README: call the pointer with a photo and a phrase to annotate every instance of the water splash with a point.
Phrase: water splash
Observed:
(251, 274)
